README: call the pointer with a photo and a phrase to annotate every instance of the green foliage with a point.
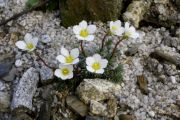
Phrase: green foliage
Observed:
(32, 3)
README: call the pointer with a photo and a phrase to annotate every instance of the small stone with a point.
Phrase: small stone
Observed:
(97, 108)
(142, 83)
(4, 101)
(46, 74)
(95, 118)
(18, 63)
(151, 113)
(76, 105)
(2, 3)
(125, 117)
(97, 89)
(112, 107)
(45, 38)
(11, 75)
(6, 62)
(173, 79)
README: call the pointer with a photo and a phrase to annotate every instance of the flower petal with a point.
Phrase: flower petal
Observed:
(83, 24)
(76, 61)
(61, 58)
(21, 45)
(79, 37)
(97, 57)
(89, 38)
(111, 24)
(90, 61)
(70, 67)
(70, 75)
(120, 31)
(76, 29)
(101, 71)
(104, 63)
(126, 25)
(74, 52)
(90, 69)
(35, 41)
(91, 29)
(57, 73)
(28, 37)
(64, 51)
(118, 23)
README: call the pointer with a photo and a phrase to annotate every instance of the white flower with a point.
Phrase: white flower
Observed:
(96, 64)
(18, 63)
(28, 44)
(84, 31)
(115, 28)
(130, 32)
(64, 72)
(67, 57)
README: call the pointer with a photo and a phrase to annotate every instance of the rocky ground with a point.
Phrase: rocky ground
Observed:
(150, 91)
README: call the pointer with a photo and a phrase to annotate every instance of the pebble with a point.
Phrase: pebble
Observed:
(151, 113)
(173, 79)
(18, 63)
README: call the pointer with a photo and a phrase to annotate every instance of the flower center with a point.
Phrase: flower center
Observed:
(126, 35)
(69, 59)
(114, 28)
(84, 33)
(96, 66)
(29, 46)
(65, 71)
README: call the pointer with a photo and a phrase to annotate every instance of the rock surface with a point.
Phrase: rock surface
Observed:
(46, 74)
(96, 89)
(25, 90)
(4, 101)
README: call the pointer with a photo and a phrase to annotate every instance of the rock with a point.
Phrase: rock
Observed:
(45, 111)
(6, 62)
(2, 85)
(2, 3)
(178, 32)
(18, 63)
(97, 108)
(76, 105)
(45, 39)
(95, 118)
(136, 11)
(74, 11)
(169, 56)
(46, 74)
(4, 101)
(97, 89)
(14, 37)
(151, 113)
(132, 50)
(112, 107)
(143, 84)
(22, 116)
(125, 117)
(25, 90)
(173, 79)
(11, 75)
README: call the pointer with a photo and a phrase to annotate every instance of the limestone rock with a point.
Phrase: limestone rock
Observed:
(25, 90)
(98, 108)
(6, 62)
(136, 11)
(4, 101)
(76, 105)
(74, 11)
(97, 89)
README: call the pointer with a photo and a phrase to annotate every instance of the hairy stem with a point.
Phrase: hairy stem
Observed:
(82, 49)
(115, 47)
(103, 41)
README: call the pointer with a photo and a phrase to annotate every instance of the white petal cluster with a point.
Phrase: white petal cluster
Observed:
(64, 72)
(96, 64)
(126, 32)
(28, 44)
(83, 31)
(67, 57)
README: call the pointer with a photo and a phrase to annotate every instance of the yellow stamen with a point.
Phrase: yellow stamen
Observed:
(126, 35)
(114, 28)
(84, 33)
(65, 71)
(96, 66)
(69, 59)
(29, 46)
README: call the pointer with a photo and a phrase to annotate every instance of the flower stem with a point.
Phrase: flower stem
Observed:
(114, 50)
(103, 41)
(37, 54)
(82, 49)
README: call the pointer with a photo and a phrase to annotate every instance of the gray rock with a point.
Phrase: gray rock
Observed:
(135, 11)
(95, 118)
(4, 101)
(76, 105)
(45, 111)
(2, 85)
(98, 108)
(46, 74)
(6, 62)
(97, 89)
(143, 84)
(2, 3)
(74, 11)
(25, 90)
(11, 75)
